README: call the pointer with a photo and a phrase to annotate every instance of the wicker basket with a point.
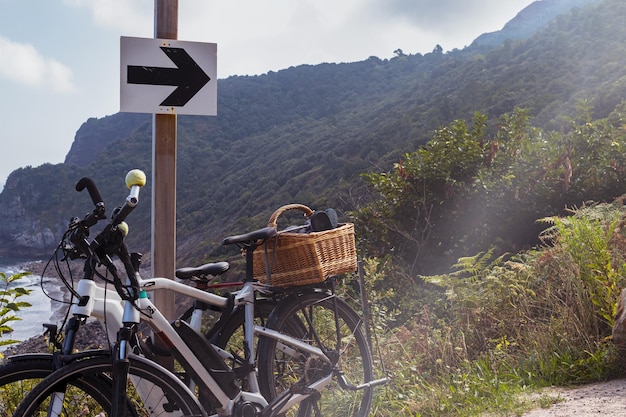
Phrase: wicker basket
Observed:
(295, 259)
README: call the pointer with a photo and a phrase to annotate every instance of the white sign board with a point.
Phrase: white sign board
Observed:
(168, 76)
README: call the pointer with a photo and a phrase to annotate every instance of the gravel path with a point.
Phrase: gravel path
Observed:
(598, 399)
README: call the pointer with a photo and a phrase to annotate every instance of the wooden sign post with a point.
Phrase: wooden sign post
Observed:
(164, 131)
(166, 77)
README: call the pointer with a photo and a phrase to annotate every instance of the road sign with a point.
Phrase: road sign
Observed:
(168, 76)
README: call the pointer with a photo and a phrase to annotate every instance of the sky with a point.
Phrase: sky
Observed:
(60, 59)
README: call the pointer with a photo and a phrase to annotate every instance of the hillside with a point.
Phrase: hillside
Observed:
(528, 21)
(306, 133)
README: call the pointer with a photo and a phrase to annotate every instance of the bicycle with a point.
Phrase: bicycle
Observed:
(19, 373)
(287, 336)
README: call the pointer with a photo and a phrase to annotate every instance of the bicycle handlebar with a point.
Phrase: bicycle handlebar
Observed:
(91, 188)
(109, 240)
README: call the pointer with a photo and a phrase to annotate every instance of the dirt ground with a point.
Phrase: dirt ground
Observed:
(599, 399)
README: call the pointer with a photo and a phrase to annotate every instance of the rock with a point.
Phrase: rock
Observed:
(90, 336)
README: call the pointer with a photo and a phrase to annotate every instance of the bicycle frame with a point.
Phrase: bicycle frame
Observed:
(245, 297)
(106, 305)
(103, 304)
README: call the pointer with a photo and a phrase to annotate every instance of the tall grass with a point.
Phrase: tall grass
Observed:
(496, 328)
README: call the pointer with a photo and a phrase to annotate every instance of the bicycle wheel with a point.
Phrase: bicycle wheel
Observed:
(20, 374)
(341, 336)
(89, 391)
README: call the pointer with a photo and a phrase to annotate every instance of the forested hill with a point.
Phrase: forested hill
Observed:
(305, 134)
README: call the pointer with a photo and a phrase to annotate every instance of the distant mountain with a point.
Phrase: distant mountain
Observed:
(95, 135)
(305, 134)
(534, 17)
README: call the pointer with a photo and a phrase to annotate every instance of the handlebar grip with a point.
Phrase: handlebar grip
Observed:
(91, 188)
(135, 179)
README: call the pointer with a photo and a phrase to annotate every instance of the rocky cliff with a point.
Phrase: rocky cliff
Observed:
(21, 232)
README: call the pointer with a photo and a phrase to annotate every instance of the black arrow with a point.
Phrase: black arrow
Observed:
(189, 78)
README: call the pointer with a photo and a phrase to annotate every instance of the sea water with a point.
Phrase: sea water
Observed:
(42, 309)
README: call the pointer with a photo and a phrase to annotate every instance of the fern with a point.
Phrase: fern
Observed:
(10, 303)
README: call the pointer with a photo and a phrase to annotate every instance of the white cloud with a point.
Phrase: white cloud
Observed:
(134, 18)
(23, 63)
(442, 16)
(254, 36)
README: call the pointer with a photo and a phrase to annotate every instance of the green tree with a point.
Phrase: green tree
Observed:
(421, 202)
(472, 187)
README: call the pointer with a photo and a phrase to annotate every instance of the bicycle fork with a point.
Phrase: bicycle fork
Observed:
(121, 363)
(90, 299)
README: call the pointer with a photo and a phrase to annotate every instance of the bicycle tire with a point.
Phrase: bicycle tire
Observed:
(90, 390)
(20, 374)
(278, 371)
(17, 378)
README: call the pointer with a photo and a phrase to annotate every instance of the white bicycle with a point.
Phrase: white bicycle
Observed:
(313, 355)
(19, 373)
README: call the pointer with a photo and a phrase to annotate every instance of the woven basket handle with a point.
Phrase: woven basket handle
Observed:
(274, 218)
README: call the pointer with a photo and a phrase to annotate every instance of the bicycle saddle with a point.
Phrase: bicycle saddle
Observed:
(252, 237)
(189, 272)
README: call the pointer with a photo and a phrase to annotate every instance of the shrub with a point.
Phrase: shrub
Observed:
(10, 303)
